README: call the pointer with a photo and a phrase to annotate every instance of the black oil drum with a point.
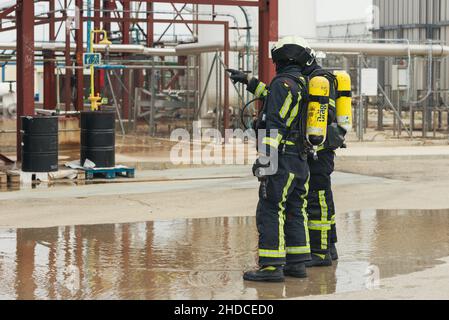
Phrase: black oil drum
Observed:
(39, 144)
(98, 138)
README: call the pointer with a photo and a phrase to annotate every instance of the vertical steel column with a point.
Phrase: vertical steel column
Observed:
(150, 34)
(360, 113)
(107, 6)
(49, 65)
(381, 71)
(125, 40)
(79, 102)
(226, 119)
(150, 24)
(68, 63)
(25, 65)
(268, 32)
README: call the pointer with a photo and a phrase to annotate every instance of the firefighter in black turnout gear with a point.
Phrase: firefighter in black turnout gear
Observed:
(320, 204)
(281, 216)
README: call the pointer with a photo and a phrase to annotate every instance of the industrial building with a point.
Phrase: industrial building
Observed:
(425, 22)
(345, 30)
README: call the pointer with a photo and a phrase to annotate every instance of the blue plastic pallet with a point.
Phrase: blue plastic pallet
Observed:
(110, 173)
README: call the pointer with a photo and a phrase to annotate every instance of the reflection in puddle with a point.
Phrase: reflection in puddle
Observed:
(204, 258)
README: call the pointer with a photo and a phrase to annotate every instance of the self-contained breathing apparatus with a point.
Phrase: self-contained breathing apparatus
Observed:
(326, 111)
(325, 105)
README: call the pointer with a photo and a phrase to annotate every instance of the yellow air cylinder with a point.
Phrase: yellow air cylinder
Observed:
(344, 100)
(317, 111)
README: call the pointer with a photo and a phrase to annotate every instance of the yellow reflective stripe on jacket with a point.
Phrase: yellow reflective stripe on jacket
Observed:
(294, 113)
(324, 213)
(319, 225)
(272, 253)
(304, 210)
(281, 212)
(288, 143)
(298, 250)
(333, 220)
(261, 90)
(272, 142)
(332, 102)
(286, 106)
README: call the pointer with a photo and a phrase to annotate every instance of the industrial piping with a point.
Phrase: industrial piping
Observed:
(370, 49)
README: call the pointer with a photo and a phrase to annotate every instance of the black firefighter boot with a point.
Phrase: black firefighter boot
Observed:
(265, 274)
(320, 260)
(334, 253)
(295, 270)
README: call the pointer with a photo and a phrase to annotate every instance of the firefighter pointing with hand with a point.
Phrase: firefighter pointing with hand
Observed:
(306, 96)
(281, 212)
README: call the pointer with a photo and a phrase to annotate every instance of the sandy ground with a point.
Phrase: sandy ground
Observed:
(369, 177)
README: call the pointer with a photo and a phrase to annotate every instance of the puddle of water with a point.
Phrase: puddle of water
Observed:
(204, 258)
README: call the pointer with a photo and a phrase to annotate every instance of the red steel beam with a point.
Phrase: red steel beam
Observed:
(125, 40)
(150, 24)
(49, 66)
(79, 100)
(25, 65)
(226, 79)
(36, 23)
(179, 13)
(68, 62)
(268, 32)
(242, 3)
(7, 11)
(107, 6)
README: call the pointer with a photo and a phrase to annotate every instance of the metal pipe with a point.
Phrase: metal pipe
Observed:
(248, 42)
(368, 49)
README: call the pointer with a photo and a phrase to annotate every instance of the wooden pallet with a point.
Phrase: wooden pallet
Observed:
(3, 178)
(109, 173)
(17, 177)
(13, 177)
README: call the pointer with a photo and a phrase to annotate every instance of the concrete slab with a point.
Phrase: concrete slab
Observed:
(399, 152)
(172, 180)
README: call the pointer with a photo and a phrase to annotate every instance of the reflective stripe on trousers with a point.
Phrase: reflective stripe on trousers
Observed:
(280, 253)
(282, 216)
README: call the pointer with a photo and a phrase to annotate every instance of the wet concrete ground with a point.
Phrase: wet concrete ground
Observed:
(204, 258)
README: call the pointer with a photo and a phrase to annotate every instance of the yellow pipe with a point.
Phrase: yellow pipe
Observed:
(95, 100)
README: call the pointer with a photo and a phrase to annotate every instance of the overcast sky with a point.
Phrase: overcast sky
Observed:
(329, 10)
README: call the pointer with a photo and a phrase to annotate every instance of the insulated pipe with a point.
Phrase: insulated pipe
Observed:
(193, 48)
(369, 49)
(383, 49)
(115, 48)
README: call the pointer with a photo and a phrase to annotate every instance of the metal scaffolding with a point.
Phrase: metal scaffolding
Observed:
(104, 14)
